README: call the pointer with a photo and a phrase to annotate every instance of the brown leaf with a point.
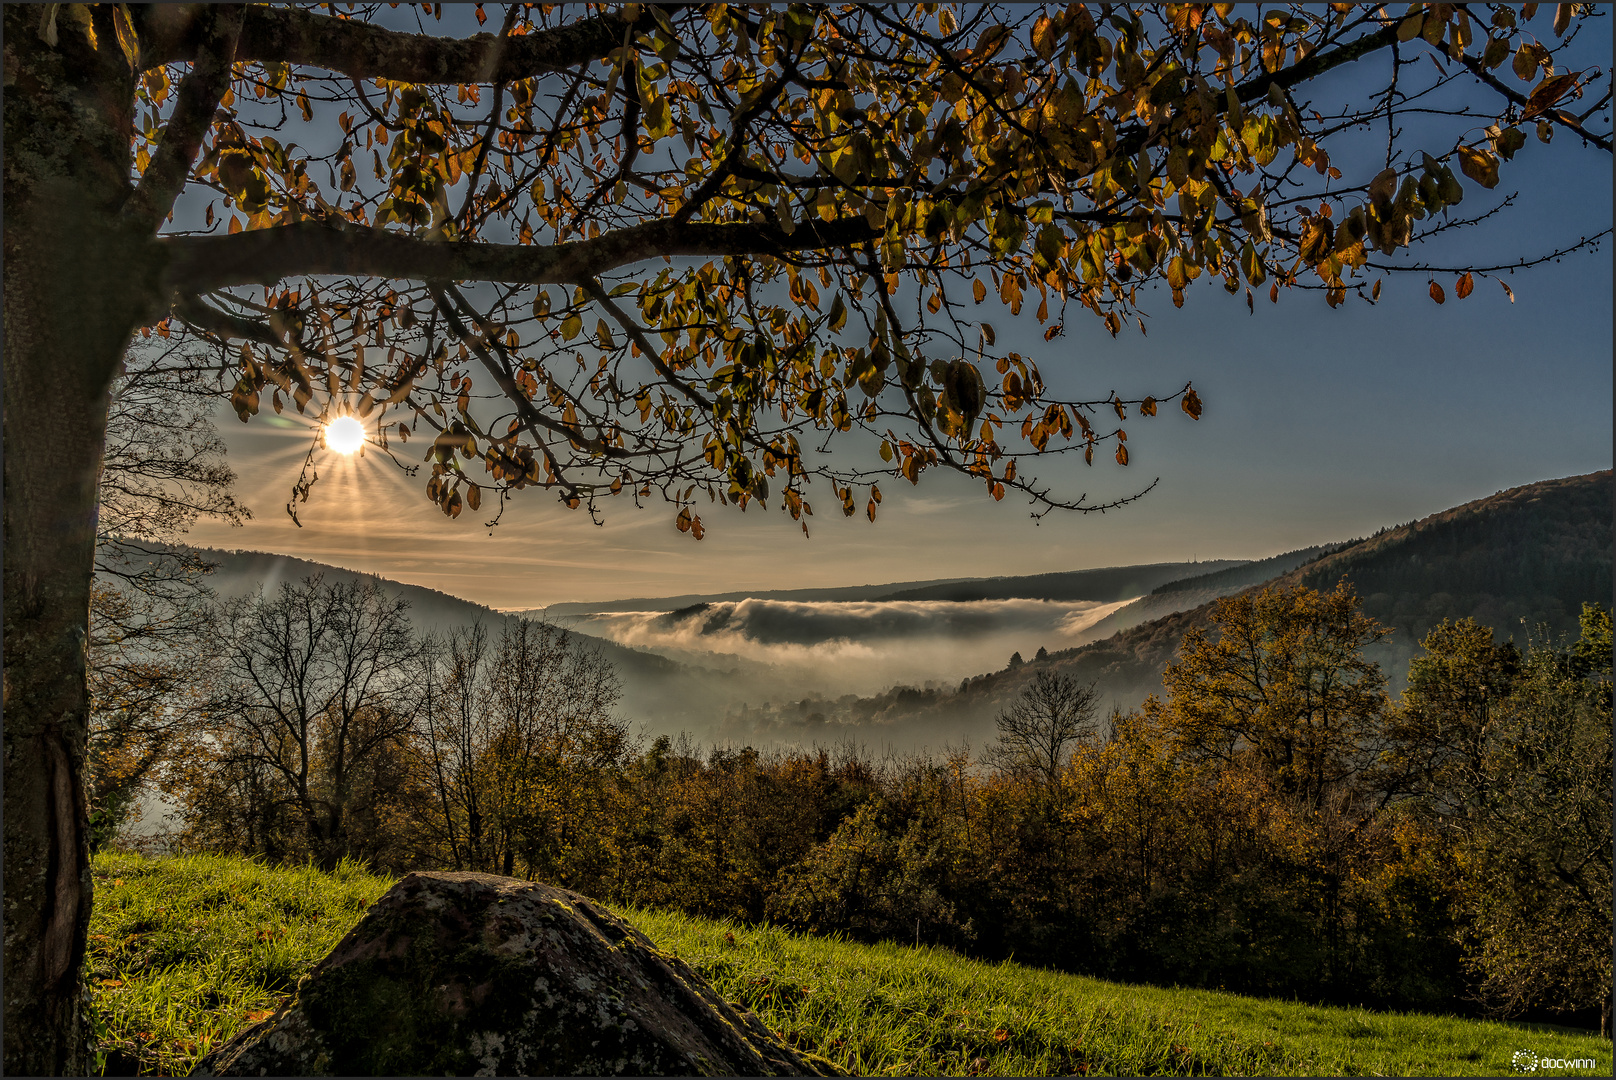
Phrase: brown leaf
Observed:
(1462, 287)
(1437, 294)
(1548, 92)
(1525, 62)
(1509, 292)
(1383, 187)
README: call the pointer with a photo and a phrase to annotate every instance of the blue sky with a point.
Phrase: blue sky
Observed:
(1319, 425)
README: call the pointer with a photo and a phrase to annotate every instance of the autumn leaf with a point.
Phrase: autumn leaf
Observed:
(1462, 287)
(1548, 92)
(1191, 404)
(1479, 165)
(1437, 294)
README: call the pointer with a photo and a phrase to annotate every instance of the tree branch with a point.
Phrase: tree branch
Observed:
(198, 97)
(293, 35)
(1477, 69)
(198, 264)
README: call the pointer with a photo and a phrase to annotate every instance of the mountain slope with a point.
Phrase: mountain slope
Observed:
(1186, 593)
(1516, 560)
(666, 695)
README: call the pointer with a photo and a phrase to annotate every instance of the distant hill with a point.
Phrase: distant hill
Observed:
(1186, 593)
(1517, 560)
(1103, 585)
(688, 600)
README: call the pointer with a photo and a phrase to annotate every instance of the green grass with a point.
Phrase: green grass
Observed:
(184, 951)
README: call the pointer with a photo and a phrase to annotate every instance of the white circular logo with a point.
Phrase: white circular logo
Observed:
(1524, 1061)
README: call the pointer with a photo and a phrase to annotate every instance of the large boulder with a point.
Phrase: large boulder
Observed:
(471, 974)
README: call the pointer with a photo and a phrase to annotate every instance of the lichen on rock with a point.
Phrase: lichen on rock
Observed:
(470, 974)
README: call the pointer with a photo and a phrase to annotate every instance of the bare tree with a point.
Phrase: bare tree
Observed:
(316, 680)
(150, 623)
(1052, 713)
(517, 738)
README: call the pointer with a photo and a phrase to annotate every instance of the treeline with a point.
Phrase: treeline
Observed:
(1272, 823)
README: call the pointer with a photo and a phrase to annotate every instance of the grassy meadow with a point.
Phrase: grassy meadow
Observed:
(185, 951)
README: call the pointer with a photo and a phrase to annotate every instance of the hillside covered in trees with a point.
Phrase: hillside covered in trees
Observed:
(1522, 561)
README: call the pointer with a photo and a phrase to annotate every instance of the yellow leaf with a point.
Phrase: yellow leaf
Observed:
(1479, 165)
(127, 41)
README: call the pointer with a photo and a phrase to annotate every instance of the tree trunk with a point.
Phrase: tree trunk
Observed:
(73, 294)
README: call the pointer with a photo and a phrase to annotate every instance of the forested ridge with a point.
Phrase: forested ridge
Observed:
(1522, 561)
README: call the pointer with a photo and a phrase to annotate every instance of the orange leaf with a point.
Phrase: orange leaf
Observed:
(1437, 294)
(1462, 288)
(1122, 454)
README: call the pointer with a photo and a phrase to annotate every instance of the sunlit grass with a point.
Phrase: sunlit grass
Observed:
(896, 1010)
(186, 951)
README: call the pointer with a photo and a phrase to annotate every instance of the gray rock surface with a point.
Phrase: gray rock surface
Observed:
(470, 974)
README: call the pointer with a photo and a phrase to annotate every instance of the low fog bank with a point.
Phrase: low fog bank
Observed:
(837, 648)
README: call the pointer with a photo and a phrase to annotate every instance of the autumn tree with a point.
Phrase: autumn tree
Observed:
(1284, 684)
(666, 252)
(517, 739)
(1440, 736)
(1524, 789)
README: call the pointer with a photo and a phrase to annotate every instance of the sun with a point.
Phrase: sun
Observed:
(345, 435)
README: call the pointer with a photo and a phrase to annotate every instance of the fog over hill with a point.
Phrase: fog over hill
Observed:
(923, 664)
(684, 666)
(1522, 561)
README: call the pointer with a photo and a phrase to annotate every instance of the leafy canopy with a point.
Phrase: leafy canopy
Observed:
(677, 249)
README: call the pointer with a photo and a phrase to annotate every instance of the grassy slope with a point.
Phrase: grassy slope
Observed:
(184, 951)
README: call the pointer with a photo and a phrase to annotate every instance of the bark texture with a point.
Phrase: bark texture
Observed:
(70, 303)
(466, 974)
